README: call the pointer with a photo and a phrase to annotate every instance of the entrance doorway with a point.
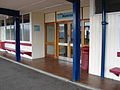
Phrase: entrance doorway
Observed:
(59, 39)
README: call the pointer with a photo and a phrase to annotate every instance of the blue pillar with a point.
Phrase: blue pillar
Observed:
(103, 38)
(17, 32)
(76, 40)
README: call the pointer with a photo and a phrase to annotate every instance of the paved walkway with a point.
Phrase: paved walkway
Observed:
(17, 77)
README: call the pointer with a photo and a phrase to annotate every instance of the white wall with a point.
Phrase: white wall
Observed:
(112, 43)
(37, 18)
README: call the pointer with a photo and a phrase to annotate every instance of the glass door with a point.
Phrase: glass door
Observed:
(50, 40)
(64, 40)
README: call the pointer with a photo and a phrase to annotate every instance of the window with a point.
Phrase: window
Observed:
(24, 28)
(1, 22)
(26, 32)
(63, 51)
(111, 5)
(2, 30)
(10, 21)
(63, 36)
(10, 32)
(50, 33)
(26, 18)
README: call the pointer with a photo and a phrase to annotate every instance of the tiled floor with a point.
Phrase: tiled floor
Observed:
(64, 69)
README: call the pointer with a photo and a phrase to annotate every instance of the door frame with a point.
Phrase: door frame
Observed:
(50, 43)
(83, 32)
(56, 38)
(68, 46)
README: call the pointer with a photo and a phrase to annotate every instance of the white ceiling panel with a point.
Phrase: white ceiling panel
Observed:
(32, 5)
(26, 6)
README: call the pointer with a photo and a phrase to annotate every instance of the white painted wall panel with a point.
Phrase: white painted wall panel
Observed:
(95, 45)
(49, 17)
(112, 45)
(86, 12)
(38, 36)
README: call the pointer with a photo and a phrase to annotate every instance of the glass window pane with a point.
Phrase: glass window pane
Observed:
(50, 49)
(26, 18)
(1, 22)
(72, 33)
(63, 51)
(87, 32)
(50, 33)
(12, 32)
(63, 37)
(26, 32)
(7, 32)
(20, 18)
(0, 32)
(71, 52)
(21, 30)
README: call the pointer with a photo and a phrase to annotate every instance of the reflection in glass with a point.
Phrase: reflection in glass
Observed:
(26, 18)
(50, 49)
(87, 32)
(72, 33)
(12, 32)
(7, 32)
(63, 51)
(50, 33)
(21, 30)
(71, 52)
(63, 33)
(26, 32)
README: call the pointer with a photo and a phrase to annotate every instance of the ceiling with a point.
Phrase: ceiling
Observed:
(45, 6)
(35, 5)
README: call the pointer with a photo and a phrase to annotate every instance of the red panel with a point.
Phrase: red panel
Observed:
(25, 44)
(2, 45)
(115, 70)
(118, 54)
(22, 52)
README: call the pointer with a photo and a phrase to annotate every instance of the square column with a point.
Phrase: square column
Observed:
(76, 40)
(17, 38)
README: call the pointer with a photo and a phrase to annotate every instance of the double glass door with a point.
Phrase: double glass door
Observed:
(59, 38)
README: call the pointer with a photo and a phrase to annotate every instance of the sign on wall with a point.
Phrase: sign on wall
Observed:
(65, 15)
(36, 28)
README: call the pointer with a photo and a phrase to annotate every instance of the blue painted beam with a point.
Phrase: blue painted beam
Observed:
(17, 28)
(103, 38)
(9, 12)
(70, 1)
(76, 40)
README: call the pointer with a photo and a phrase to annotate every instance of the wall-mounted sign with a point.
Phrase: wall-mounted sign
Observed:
(36, 28)
(65, 15)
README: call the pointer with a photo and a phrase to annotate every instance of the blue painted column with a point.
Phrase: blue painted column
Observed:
(103, 38)
(76, 40)
(17, 34)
